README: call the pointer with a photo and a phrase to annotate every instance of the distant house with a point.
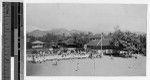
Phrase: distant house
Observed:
(68, 44)
(37, 44)
(103, 45)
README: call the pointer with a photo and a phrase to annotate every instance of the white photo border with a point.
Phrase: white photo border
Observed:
(93, 77)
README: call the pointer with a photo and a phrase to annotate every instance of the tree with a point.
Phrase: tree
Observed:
(129, 41)
(80, 38)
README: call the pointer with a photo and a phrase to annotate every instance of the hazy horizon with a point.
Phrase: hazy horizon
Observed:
(95, 18)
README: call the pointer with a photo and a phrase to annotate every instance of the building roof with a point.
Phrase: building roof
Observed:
(105, 42)
(37, 42)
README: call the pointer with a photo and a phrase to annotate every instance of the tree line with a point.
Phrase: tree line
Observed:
(125, 40)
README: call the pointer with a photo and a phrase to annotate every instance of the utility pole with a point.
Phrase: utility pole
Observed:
(101, 44)
(101, 41)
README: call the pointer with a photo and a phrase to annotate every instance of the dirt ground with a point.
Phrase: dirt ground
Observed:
(104, 66)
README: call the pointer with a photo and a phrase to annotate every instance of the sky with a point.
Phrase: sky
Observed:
(96, 18)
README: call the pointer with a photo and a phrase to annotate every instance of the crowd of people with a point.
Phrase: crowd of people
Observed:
(42, 55)
(39, 56)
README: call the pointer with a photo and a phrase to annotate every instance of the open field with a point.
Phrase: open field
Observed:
(104, 66)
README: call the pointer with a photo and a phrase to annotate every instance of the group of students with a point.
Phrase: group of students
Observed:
(42, 56)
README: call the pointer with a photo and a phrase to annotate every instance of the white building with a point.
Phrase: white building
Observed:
(37, 44)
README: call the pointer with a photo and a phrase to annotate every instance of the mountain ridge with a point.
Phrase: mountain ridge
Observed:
(56, 31)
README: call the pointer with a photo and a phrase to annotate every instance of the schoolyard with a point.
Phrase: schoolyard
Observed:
(105, 66)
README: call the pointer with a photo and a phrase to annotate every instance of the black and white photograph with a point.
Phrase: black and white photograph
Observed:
(92, 39)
